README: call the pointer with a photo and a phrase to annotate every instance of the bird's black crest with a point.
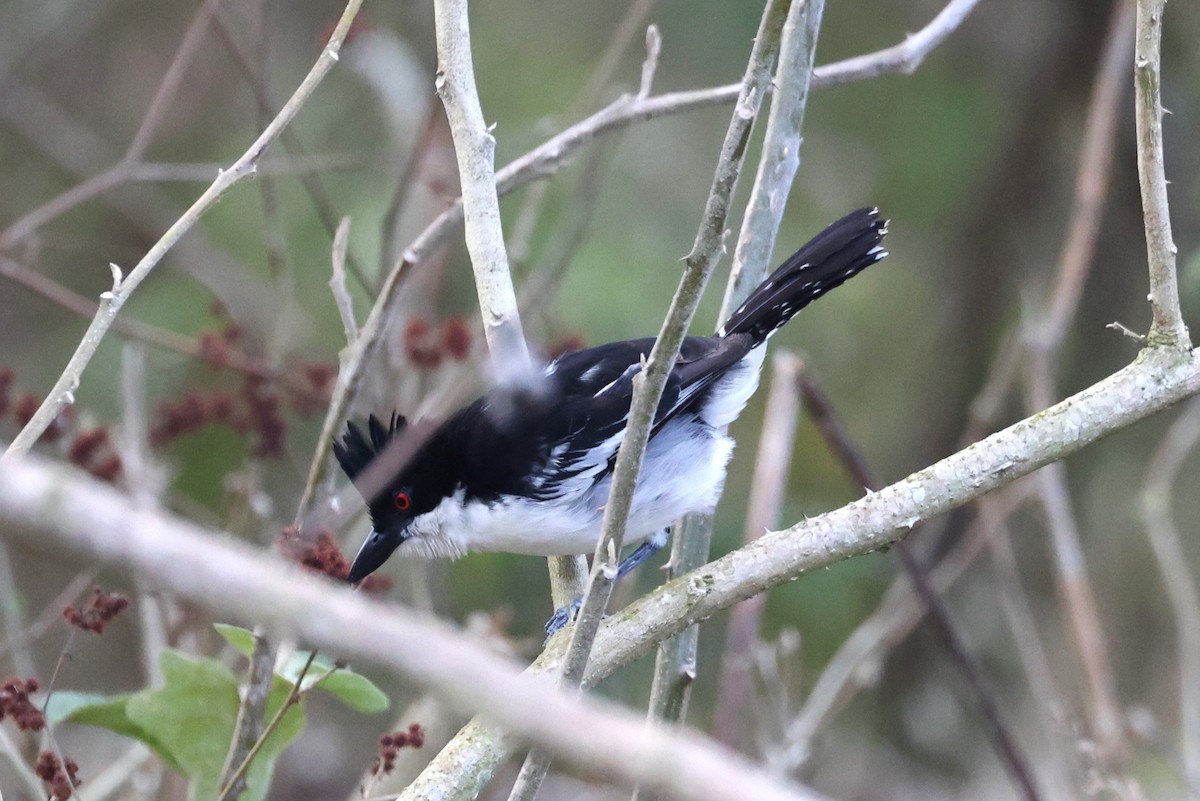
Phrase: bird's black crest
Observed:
(356, 450)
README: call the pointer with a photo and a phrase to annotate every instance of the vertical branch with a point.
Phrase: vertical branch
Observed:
(649, 383)
(1083, 615)
(780, 155)
(1095, 167)
(251, 719)
(766, 498)
(1180, 442)
(1167, 327)
(475, 150)
(13, 618)
(675, 662)
(1044, 344)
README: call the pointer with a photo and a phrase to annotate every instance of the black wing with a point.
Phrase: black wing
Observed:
(596, 386)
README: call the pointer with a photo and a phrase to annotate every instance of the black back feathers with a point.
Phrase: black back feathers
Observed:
(356, 450)
(833, 256)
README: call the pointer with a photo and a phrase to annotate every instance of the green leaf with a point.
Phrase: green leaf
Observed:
(192, 718)
(240, 638)
(356, 691)
(64, 703)
(190, 721)
(110, 713)
(351, 688)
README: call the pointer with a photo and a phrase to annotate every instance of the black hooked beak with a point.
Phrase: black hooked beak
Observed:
(374, 552)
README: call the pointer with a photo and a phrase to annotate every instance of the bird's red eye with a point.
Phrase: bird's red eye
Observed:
(402, 501)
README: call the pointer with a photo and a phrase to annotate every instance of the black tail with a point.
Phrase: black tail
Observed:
(841, 251)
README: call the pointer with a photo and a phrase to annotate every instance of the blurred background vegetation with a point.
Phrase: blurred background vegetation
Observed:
(973, 158)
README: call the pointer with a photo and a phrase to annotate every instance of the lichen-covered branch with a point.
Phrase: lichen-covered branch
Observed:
(54, 506)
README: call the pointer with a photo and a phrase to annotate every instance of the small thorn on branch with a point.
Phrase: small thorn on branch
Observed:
(1123, 329)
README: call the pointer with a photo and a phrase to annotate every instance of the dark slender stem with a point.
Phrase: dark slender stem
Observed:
(840, 443)
(250, 727)
(240, 774)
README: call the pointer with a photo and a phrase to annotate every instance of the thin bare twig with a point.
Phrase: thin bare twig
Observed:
(1179, 443)
(159, 172)
(675, 661)
(50, 616)
(251, 725)
(264, 658)
(168, 87)
(632, 21)
(406, 182)
(290, 140)
(124, 169)
(1095, 167)
(1083, 616)
(1044, 342)
(62, 394)
(904, 57)
(855, 664)
(1167, 327)
(649, 383)
(337, 281)
(235, 359)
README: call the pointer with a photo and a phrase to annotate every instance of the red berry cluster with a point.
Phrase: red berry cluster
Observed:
(89, 449)
(99, 611)
(15, 704)
(255, 408)
(217, 348)
(426, 347)
(93, 451)
(61, 778)
(390, 745)
(318, 378)
(264, 417)
(322, 555)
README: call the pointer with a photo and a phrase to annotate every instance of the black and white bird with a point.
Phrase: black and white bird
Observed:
(530, 473)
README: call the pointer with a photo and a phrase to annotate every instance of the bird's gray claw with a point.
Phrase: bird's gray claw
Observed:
(562, 616)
